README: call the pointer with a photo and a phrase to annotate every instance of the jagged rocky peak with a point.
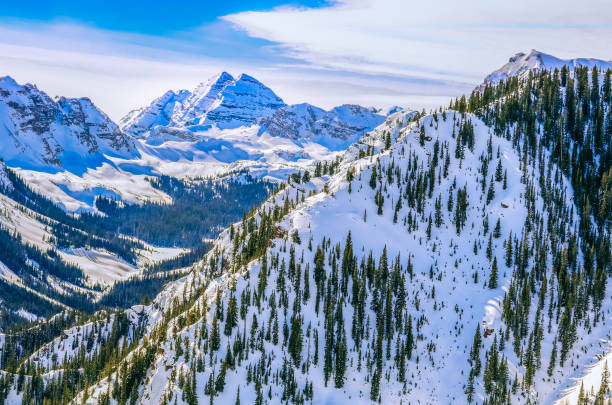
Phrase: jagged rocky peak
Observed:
(202, 99)
(231, 103)
(522, 63)
(222, 101)
(36, 130)
(159, 113)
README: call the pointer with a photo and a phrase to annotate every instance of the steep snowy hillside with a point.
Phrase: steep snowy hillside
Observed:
(433, 253)
(522, 63)
(38, 132)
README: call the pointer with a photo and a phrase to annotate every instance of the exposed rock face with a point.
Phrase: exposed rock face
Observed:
(242, 102)
(306, 122)
(35, 129)
(5, 182)
(294, 121)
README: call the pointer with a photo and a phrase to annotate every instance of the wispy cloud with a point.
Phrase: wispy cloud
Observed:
(440, 39)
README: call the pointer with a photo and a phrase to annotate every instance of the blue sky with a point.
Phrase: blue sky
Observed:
(140, 16)
(372, 52)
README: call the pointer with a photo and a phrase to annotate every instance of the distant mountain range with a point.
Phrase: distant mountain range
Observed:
(224, 102)
(73, 151)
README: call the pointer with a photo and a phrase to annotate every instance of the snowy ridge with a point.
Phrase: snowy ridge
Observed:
(159, 113)
(522, 63)
(36, 131)
(338, 127)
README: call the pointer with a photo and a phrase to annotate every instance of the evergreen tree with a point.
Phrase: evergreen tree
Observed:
(493, 274)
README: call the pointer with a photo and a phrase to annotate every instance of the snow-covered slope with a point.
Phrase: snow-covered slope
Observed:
(521, 63)
(38, 132)
(407, 258)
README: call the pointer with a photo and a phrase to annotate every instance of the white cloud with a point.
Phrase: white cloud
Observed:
(442, 39)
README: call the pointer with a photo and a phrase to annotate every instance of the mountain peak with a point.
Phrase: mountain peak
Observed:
(522, 63)
(247, 78)
(222, 100)
(8, 83)
(215, 82)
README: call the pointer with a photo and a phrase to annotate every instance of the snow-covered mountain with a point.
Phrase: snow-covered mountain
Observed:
(160, 113)
(38, 132)
(73, 152)
(522, 63)
(228, 103)
(222, 101)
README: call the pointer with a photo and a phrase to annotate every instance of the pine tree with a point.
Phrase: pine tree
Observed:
(604, 387)
(373, 177)
(422, 136)
(553, 359)
(469, 390)
(475, 352)
(583, 399)
(493, 274)
(509, 253)
(491, 191)
(340, 364)
(295, 340)
(499, 171)
(215, 338)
